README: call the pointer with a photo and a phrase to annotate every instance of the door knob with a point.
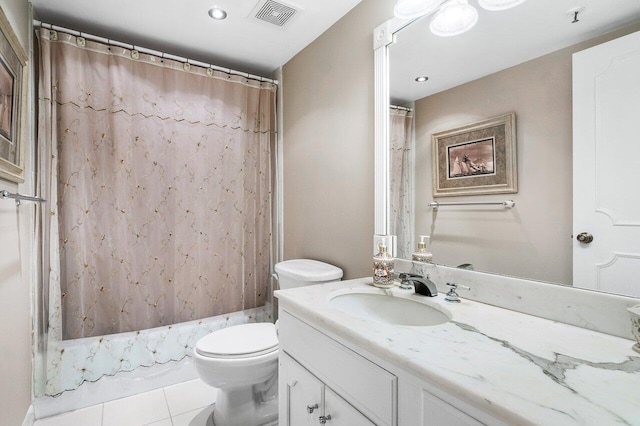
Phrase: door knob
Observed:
(584, 237)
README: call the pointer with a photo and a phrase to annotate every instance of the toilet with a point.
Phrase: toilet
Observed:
(242, 360)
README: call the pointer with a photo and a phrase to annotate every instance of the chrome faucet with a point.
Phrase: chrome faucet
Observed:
(421, 285)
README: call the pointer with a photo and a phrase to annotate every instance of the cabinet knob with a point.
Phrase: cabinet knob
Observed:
(311, 408)
(324, 419)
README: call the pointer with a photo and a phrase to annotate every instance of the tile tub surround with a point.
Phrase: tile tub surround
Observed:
(519, 368)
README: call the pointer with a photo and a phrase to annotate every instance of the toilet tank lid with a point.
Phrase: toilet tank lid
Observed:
(308, 270)
(245, 339)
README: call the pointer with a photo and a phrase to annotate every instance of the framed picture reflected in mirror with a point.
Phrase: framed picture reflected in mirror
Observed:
(476, 159)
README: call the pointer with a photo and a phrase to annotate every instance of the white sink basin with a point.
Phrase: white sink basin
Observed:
(388, 308)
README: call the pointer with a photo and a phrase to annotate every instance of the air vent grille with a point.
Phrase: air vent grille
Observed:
(275, 13)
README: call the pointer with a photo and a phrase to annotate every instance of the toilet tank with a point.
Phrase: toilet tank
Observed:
(300, 272)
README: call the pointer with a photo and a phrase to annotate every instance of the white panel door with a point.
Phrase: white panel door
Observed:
(606, 166)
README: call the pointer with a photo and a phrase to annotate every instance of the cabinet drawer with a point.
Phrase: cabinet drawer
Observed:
(368, 387)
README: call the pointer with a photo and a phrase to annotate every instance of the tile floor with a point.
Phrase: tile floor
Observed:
(184, 404)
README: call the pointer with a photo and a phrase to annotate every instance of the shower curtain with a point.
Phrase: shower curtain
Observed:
(158, 176)
(401, 218)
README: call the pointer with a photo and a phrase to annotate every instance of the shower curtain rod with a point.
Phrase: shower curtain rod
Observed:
(111, 42)
(401, 108)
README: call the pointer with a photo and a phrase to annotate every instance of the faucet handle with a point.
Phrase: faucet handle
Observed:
(452, 295)
(455, 285)
(405, 281)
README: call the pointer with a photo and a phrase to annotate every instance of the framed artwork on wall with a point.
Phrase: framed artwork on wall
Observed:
(476, 159)
(13, 97)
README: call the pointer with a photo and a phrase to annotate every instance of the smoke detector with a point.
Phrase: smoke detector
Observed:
(274, 12)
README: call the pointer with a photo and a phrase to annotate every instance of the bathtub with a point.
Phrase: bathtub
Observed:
(88, 371)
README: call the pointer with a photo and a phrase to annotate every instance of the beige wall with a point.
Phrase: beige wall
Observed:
(328, 143)
(532, 240)
(15, 261)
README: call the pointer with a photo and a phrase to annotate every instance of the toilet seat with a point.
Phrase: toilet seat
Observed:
(240, 341)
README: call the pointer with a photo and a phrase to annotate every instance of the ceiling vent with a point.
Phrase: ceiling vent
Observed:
(274, 12)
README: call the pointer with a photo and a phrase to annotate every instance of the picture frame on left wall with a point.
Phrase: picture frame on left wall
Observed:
(13, 100)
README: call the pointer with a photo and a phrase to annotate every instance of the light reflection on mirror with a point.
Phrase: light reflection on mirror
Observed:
(520, 61)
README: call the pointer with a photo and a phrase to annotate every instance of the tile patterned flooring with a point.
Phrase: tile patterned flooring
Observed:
(184, 404)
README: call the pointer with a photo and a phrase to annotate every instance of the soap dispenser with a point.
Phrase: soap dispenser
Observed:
(383, 265)
(422, 255)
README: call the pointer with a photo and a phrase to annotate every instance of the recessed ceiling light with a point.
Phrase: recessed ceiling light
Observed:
(217, 13)
(422, 79)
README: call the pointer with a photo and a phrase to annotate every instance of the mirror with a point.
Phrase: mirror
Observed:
(513, 61)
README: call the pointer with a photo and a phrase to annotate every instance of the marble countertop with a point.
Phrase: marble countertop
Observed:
(516, 367)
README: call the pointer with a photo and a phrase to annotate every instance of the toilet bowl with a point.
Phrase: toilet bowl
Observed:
(242, 360)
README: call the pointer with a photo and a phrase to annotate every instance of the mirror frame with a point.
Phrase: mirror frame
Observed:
(383, 37)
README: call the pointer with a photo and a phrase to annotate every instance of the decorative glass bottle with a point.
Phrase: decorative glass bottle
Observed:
(383, 266)
(422, 255)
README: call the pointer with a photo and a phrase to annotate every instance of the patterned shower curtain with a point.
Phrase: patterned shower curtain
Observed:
(400, 191)
(159, 180)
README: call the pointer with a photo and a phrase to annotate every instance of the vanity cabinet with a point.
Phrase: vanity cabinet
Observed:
(344, 383)
(308, 401)
(316, 369)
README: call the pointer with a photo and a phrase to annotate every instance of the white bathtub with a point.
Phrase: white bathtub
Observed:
(70, 363)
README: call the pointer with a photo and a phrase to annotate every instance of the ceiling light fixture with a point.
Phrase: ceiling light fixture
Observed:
(217, 13)
(410, 9)
(422, 79)
(499, 4)
(454, 17)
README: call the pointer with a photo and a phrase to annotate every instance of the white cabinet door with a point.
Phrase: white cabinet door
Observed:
(341, 412)
(304, 399)
(606, 166)
(300, 392)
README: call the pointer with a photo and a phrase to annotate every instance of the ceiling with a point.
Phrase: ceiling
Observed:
(184, 28)
(499, 40)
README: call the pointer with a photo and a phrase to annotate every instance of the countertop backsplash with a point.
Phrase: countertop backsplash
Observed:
(606, 313)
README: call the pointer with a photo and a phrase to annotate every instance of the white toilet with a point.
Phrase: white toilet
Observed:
(242, 361)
